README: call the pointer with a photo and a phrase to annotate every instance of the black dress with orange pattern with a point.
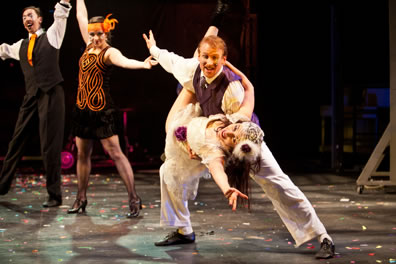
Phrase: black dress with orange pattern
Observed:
(95, 116)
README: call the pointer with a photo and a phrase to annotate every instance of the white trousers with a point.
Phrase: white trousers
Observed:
(174, 208)
(291, 204)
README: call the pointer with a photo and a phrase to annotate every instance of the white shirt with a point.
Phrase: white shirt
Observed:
(184, 69)
(55, 33)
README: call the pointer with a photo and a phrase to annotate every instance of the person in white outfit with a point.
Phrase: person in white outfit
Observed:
(195, 143)
(207, 79)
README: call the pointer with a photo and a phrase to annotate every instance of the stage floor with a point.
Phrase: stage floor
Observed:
(363, 226)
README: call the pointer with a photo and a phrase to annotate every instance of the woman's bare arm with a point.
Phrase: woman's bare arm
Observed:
(216, 168)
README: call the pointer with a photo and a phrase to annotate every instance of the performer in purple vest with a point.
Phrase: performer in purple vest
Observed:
(43, 106)
(206, 79)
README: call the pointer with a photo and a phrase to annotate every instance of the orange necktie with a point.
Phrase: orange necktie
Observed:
(30, 49)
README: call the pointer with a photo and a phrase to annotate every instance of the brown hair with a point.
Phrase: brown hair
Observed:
(215, 42)
(96, 19)
(35, 8)
(100, 19)
(238, 173)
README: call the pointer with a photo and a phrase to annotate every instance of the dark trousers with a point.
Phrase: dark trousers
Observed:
(47, 110)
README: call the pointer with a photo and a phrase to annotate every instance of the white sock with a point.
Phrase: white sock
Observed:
(185, 230)
(323, 236)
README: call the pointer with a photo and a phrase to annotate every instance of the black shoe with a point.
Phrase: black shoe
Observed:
(326, 250)
(222, 7)
(3, 192)
(135, 207)
(176, 238)
(77, 205)
(52, 202)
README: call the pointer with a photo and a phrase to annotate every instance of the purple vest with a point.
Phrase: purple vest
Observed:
(210, 98)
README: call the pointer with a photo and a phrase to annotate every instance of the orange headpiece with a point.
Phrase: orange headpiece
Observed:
(106, 25)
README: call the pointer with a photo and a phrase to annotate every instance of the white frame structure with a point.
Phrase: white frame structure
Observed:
(369, 172)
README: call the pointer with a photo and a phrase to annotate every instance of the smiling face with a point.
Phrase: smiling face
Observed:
(211, 55)
(97, 33)
(230, 136)
(31, 20)
(98, 38)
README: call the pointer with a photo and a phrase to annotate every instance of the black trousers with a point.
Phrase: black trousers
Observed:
(47, 111)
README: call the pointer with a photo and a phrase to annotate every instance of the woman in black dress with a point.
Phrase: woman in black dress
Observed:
(95, 116)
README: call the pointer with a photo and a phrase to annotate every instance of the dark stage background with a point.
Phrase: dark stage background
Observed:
(289, 63)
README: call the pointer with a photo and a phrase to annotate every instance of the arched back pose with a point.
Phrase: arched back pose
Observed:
(208, 80)
(95, 116)
(196, 144)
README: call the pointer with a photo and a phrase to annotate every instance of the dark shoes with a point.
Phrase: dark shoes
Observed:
(51, 202)
(326, 250)
(4, 188)
(77, 205)
(135, 207)
(176, 238)
(222, 7)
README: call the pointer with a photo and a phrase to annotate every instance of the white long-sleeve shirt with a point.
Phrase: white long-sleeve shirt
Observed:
(55, 33)
(184, 69)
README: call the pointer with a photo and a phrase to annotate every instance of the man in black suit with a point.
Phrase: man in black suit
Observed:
(43, 104)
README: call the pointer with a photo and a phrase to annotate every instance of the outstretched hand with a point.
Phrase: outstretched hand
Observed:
(149, 62)
(232, 195)
(150, 41)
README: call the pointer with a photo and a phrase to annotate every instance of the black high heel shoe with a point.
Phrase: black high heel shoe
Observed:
(77, 205)
(135, 207)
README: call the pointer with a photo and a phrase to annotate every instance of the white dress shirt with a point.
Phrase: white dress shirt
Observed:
(55, 33)
(184, 69)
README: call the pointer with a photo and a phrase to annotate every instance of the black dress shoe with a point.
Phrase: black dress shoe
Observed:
(326, 250)
(4, 188)
(176, 238)
(52, 203)
(222, 7)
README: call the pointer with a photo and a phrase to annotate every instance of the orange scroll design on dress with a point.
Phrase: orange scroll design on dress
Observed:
(90, 91)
